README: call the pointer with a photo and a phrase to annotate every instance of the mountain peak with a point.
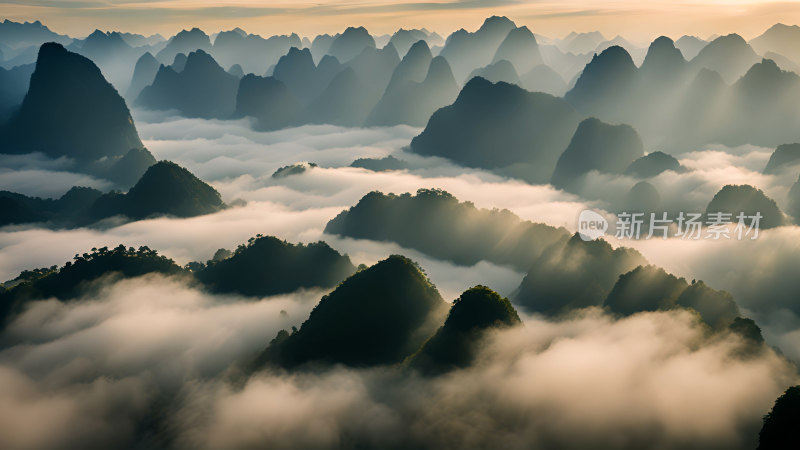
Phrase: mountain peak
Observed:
(729, 55)
(663, 57)
(599, 146)
(477, 310)
(497, 22)
(169, 188)
(520, 49)
(71, 110)
(199, 60)
(351, 43)
(379, 315)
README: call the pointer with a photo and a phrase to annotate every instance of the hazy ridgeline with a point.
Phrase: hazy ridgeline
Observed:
(364, 241)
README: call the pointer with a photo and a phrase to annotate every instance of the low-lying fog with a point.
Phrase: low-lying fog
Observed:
(93, 370)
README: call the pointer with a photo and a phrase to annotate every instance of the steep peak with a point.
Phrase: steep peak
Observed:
(663, 56)
(497, 23)
(613, 56)
(440, 70)
(480, 307)
(419, 50)
(179, 62)
(766, 74)
(97, 34)
(71, 110)
(199, 60)
(522, 31)
(726, 47)
(147, 58)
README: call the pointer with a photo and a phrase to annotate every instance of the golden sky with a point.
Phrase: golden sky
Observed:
(636, 20)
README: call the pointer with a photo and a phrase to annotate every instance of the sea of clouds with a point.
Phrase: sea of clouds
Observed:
(156, 362)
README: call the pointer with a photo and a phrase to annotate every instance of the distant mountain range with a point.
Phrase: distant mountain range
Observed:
(468, 92)
(346, 79)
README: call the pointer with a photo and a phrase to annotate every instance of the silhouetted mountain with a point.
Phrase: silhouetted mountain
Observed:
(13, 87)
(236, 70)
(573, 274)
(293, 169)
(435, 223)
(187, 41)
(413, 102)
(649, 288)
(779, 431)
(270, 266)
(520, 49)
(467, 51)
(19, 209)
(544, 79)
(700, 112)
(716, 308)
(102, 46)
(138, 40)
(413, 67)
(637, 53)
(75, 277)
(179, 62)
(779, 38)
(17, 34)
(664, 63)
(499, 125)
(729, 55)
(375, 69)
(500, 71)
(643, 197)
(165, 189)
(380, 165)
(456, 342)
(320, 46)
(380, 315)
(596, 146)
(763, 108)
(736, 199)
(605, 87)
(354, 91)
(143, 75)
(403, 40)
(783, 62)
(71, 110)
(653, 164)
(578, 43)
(646, 288)
(350, 44)
(327, 69)
(268, 100)
(297, 71)
(751, 343)
(567, 65)
(690, 46)
(202, 89)
(342, 102)
(254, 53)
(786, 155)
(112, 54)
